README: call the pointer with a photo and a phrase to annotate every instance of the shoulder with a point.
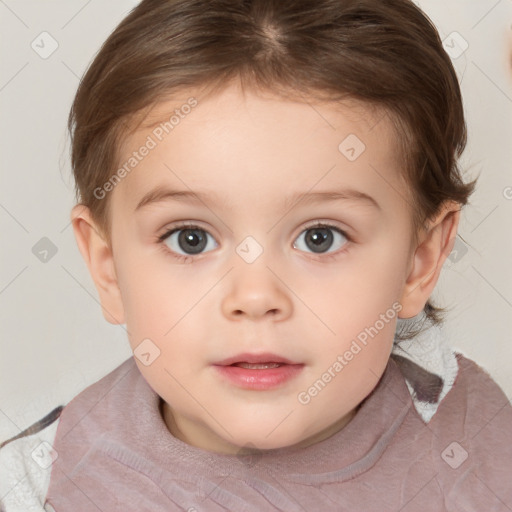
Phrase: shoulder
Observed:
(105, 385)
(472, 440)
(26, 460)
(25, 466)
(88, 411)
(475, 407)
(482, 400)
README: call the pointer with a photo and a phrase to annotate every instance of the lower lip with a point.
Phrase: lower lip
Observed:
(260, 379)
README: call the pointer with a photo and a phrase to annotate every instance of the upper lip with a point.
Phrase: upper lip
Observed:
(266, 357)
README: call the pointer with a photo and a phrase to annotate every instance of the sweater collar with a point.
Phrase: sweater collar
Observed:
(427, 362)
(342, 456)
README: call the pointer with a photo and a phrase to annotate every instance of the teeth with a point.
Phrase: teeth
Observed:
(258, 366)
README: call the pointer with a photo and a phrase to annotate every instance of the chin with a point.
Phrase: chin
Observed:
(259, 441)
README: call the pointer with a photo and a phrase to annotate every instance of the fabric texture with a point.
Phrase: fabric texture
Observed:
(435, 434)
(116, 454)
(25, 469)
(430, 351)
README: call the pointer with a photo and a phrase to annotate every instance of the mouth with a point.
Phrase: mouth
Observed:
(256, 361)
(258, 372)
(257, 366)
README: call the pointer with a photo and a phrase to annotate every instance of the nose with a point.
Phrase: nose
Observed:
(254, 291)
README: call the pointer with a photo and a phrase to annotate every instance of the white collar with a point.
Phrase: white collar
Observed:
(434, 364)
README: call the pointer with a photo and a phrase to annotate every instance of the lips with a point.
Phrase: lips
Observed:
(256, 361)
(258, 372)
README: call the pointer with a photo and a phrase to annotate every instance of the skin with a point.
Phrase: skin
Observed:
(254, 151)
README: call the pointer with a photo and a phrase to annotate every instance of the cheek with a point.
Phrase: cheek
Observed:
(356, 293)
(163, 304)
(146, 296)
(146, 283)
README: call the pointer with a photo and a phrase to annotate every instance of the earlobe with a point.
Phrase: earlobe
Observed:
(97, 254)
(434, 247)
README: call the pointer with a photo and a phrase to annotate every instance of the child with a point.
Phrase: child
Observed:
(268, 190)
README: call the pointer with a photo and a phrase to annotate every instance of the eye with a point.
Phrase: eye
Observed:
(320, 237)
(188, 240)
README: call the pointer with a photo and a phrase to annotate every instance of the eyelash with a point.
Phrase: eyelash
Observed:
(182, 258)
(187, 258)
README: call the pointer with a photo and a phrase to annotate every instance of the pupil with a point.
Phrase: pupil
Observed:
(195, 240)
(321, 239)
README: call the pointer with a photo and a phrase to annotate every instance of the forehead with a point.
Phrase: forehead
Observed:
(261, 141)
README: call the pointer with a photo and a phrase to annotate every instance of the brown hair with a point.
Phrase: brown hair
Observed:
(386, 54)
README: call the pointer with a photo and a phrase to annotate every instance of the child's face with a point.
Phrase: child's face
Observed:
(257, 164)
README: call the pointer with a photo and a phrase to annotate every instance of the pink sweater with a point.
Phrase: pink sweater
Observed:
(116, 455)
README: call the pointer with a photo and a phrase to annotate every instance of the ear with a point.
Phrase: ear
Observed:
(97, 254)
(436, 243)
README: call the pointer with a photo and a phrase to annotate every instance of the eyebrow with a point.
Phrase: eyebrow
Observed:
(161, 194)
